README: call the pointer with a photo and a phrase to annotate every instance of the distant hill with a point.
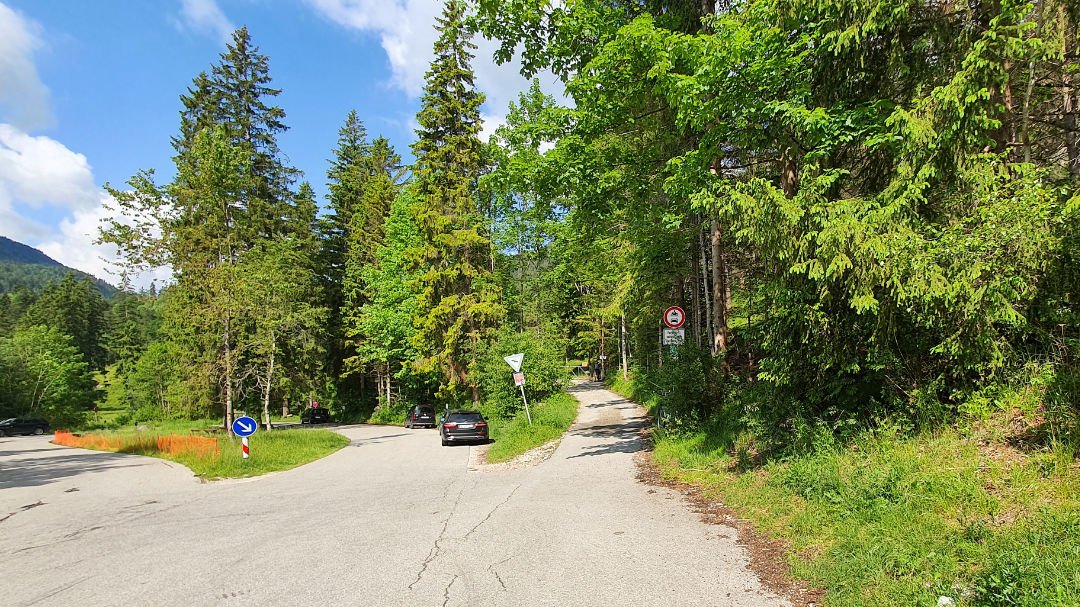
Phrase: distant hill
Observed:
(25, 266)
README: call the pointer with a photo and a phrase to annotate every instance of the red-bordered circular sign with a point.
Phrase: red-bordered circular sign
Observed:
(674, 317)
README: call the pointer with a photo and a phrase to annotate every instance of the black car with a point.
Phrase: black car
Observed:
(459, 426)
(420, 415)
(22, 425)
(315, 415)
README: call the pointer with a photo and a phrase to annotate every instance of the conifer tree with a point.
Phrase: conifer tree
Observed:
(458, 304)
(366, 234)
(236, 95)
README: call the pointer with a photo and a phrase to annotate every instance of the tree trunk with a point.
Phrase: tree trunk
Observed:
(1068, 100)
(622, 348)
(266, 388)
(789, 170)
(695, 299)
(228, 377)
(705, 286)
(388, 379)
(378, 386)
(719, 295)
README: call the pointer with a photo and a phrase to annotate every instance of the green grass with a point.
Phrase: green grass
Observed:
(894, 520)
(270, 451)
(515, 436)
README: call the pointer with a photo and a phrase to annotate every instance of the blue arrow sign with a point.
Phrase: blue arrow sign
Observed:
(244, 426)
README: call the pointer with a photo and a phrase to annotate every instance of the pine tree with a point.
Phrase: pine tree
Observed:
(458, 299)
(236, 96)
(75, 308)
(366, 234)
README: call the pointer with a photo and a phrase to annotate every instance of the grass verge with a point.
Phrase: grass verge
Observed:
(217, 457)
(901, 520)
(551, 418)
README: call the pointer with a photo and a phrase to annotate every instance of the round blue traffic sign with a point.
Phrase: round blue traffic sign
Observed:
(244, 426)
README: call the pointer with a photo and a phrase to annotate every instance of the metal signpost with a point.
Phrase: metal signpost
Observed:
(244, 427)
(514, 360)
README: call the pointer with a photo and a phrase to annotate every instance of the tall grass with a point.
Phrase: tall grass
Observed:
(551, 418)
(217, 457)
(901, 520)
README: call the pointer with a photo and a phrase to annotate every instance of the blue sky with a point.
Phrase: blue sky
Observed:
(91, 90)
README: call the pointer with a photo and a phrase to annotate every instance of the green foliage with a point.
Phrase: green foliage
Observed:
(544, 368)
(43, 374)
(75, 308)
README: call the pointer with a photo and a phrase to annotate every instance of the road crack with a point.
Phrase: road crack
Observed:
(489, 514)
(446, 593)
(436, 549)
(23, 509)
(491, 569)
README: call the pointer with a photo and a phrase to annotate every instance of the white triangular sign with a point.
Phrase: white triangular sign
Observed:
(514, 360)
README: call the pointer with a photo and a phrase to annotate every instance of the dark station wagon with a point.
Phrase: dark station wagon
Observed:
(420, 415)
(315, 415)
(460, 426)
(23, 425)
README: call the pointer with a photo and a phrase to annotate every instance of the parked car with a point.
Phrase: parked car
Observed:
(315, 415)
(420, 415)
(460, 426)
(23, 425)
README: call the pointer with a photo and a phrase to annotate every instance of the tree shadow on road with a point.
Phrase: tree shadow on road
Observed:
(625, 437)
(41, 470)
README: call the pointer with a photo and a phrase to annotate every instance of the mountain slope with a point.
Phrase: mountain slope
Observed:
(22, 266)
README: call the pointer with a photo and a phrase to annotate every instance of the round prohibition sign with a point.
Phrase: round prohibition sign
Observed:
(674, 317)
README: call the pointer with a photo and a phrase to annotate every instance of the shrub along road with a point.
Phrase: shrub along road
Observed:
(392, 519)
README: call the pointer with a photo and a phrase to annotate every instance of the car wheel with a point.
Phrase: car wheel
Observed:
(408, 425)
(39, 431)
(444, 443)
(2, 433)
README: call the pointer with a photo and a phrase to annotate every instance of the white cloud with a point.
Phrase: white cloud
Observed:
(40, 171)
(206, 16)
(74, 247)
(37, 172)
(24, 100)
(406, 29)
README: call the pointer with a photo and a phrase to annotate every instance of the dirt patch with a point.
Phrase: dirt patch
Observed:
(768, 558)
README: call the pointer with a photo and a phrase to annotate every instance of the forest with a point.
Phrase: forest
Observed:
(867, 209)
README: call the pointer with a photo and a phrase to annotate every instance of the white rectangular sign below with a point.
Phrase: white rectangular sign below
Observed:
(674, 337)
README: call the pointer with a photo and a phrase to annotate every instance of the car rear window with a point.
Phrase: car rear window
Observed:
(425, 411)
(465, 417)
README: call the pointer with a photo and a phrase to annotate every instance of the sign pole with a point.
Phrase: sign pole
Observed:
(527, 414)
(514, 360)
(247, 450)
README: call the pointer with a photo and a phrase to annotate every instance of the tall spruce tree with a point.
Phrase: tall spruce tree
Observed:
(348, 172)
(235, 94)
(458, 301)
(366, 234)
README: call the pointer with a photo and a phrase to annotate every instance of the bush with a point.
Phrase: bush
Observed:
(544, 369)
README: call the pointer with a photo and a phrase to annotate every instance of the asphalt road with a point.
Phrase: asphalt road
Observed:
(392, 519)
